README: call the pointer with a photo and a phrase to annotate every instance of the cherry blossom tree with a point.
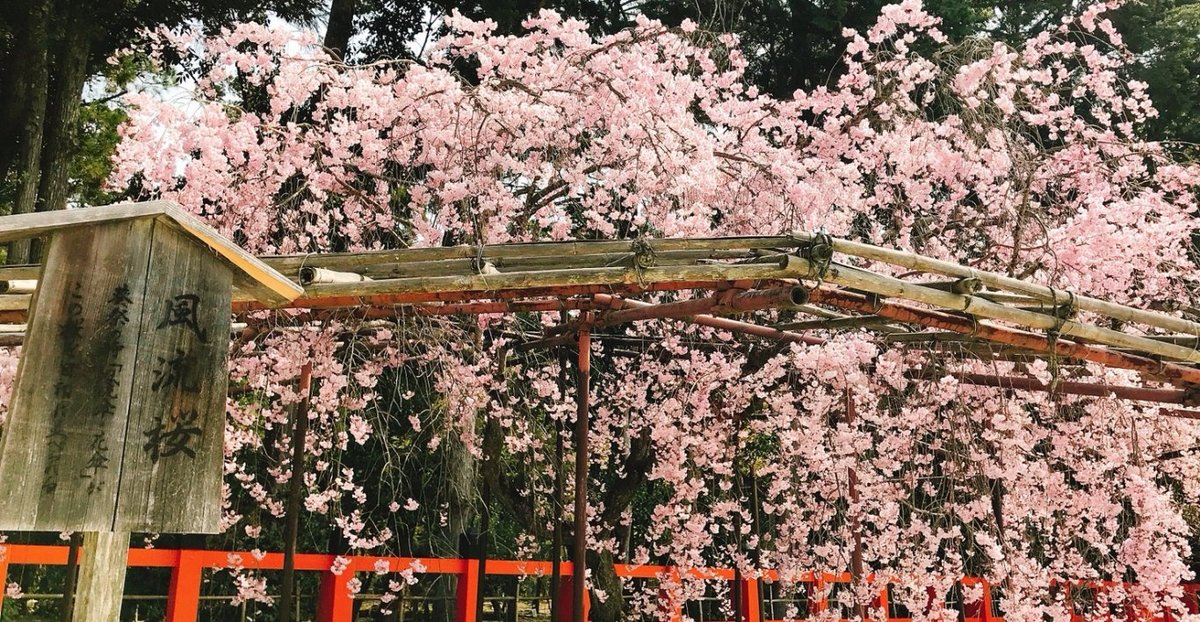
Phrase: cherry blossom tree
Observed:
(1025, 160)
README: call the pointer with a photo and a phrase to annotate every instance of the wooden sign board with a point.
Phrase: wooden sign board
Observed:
(118, 413)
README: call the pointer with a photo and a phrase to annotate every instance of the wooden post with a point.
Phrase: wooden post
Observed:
(101, 577)
(68, 601)
(295, 485)
(579, 578)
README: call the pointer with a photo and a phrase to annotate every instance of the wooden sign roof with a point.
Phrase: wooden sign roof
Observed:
(250, 275)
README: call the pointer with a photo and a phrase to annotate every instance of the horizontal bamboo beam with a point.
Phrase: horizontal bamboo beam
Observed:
(1142, 394)
(335, 302)
(527, 250)
(482, 283)
(617, 303)
(974, 305)
(1055, 297)
(851, 301)
(729, 301)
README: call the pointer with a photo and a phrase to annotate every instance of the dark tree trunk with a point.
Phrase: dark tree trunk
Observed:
(604, 577)
(617, 499)
(31, 80)
(18, 63)
(340, 28)
(68, 72)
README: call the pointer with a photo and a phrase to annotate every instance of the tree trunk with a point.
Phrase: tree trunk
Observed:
(28, 28)
(33, 81)
(460, 491)
(604, 577)
(340, 28)
(69, 71)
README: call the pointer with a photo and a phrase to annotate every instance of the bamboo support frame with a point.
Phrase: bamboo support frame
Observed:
(447, 280)
(974, 305)
(1140, 394)
(1058, 347)
(616, 302)
(1055, 297)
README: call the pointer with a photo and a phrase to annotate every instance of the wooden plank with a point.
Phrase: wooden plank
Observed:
(552, 278)
(37, 224)
(101, 577)
(250, 274)
(61, 450)
(172, 460)
(253, 276)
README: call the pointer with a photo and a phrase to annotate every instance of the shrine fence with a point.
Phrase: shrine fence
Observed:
(336, 600)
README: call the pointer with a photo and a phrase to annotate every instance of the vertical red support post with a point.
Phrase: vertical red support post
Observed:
(335, 603)
(3, 575)
(986, 614)
(566, 590)
(183, 596)
(749, 602)
(466, 596)
(667, 602)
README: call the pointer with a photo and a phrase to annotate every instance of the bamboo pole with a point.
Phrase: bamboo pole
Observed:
(525, 250)
(1066, 387)
(552, 278)
(616, 302)
(18, 286)
(1051, 295)
(1058, 347)
(310, 275)
(379, 300)
(728, 301)
(974, 305)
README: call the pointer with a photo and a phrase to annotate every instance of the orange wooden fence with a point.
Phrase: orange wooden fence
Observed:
(335, 599)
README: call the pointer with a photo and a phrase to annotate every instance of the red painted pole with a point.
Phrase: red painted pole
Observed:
(467, 594)
(335, 603)
(751, 609)
(183, 596)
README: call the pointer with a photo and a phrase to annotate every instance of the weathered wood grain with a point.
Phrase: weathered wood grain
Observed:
(61, 449)
(173, 454)
(101, 581)
(252, 276)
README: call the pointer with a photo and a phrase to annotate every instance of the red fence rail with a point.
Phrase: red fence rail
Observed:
(336, 602)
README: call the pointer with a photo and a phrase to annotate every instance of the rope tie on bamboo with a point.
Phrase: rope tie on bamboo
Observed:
(643, 256)
(1052, 336)
(819, 254)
